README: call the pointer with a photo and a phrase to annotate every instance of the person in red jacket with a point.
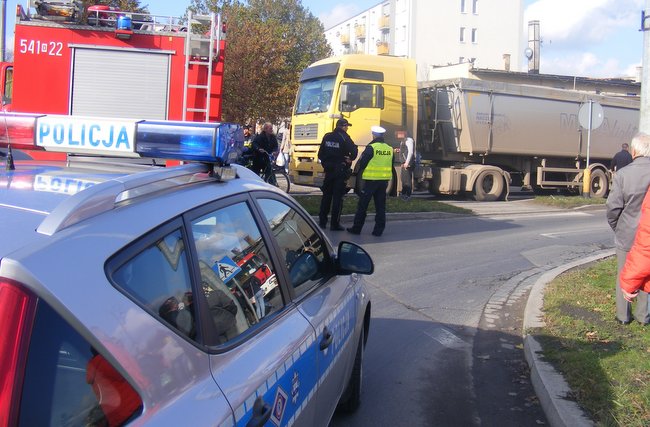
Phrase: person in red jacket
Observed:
(635, 275)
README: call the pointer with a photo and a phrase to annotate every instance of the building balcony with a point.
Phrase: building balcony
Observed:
(345, 39)
(360, 32)
(382, 48)
(384, 23)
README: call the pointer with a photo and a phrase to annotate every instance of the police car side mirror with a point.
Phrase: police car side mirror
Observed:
(352, 258)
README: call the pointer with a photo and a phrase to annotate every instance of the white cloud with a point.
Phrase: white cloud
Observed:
(596, 38)
(338, 14)
(575, 22)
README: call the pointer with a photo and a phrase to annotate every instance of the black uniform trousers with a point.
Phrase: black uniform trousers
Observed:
(375, 190)
(333, 191)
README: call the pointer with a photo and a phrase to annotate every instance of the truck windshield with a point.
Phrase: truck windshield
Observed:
(315, 96)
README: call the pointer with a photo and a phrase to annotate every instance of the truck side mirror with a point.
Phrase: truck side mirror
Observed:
(343, 100)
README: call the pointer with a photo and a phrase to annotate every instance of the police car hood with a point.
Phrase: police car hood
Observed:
(30, 193)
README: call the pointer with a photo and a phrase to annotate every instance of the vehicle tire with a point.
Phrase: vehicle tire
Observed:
(489, 186)
(598, 185)
(351, 398)
(281, 179)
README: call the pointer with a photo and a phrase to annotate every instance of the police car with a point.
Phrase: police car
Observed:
(127, 295)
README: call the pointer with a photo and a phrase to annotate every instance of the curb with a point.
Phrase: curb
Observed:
(550, 386)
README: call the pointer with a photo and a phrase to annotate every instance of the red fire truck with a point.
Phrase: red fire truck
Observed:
(115, 64)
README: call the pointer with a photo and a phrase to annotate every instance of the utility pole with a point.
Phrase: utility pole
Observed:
(644, 116)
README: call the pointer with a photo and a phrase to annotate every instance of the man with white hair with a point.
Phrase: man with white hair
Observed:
(376, 169)
(623, 212)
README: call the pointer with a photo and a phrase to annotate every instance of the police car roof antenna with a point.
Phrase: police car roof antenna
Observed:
(9, 161)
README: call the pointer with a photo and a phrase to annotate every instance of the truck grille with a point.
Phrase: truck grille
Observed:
(309, 131)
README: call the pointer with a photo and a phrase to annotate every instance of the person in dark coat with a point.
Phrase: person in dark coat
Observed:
(623, 211)
(336, 153)
(622, 158)
(264, 144)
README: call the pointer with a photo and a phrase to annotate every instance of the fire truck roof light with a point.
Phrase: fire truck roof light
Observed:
(218, 143)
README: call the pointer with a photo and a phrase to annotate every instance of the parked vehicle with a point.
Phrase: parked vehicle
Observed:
(120, 296)
(159, 69)
(474, 136)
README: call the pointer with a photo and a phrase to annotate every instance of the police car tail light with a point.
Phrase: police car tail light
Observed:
(17, 307)
(18, 130)
(218, 143)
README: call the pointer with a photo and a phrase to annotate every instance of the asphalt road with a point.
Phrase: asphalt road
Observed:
(445, 345)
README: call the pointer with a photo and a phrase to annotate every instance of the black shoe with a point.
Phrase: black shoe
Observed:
(337, 228)
(353, 230)
(622, 322)
(376, 233)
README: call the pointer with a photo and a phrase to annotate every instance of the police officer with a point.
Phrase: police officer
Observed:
(336, 153)
(376, 169)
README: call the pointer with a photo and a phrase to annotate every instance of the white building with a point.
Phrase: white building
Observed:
(437, 32)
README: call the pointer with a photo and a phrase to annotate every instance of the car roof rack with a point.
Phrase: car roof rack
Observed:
(105, 196)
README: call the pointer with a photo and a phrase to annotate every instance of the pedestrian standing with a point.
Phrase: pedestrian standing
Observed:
(635, 276)
(407, 160)
(623, 212)
(285, 147)
(622, 158)
(376, 169)
(336, 153)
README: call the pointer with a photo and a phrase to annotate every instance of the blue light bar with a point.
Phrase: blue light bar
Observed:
(220, 143)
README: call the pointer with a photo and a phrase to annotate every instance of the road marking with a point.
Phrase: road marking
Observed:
(446, 338)
(579, 231)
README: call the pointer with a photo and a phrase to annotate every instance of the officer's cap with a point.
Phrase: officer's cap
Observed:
(342, 122)
(378, 130)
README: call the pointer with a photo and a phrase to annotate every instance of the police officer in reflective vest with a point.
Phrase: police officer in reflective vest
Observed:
(376, 169)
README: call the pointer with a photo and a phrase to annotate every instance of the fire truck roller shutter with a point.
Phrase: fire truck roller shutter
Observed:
(120, 83)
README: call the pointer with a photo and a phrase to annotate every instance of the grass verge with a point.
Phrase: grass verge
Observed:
(607, 365)
(568, 202)
(311, 204)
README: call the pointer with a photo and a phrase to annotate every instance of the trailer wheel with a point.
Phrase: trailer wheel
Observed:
(598, 185)
(488, 186)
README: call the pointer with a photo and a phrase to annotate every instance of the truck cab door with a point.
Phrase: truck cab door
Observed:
(361, 104)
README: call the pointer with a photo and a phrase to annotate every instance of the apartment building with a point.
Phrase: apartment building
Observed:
(488, 33)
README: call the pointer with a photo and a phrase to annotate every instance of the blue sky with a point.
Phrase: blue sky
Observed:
(593, 38)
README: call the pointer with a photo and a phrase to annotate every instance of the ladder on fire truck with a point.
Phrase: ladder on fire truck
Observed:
(201, 50)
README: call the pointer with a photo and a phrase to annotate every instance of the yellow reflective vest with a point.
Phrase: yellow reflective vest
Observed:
(380, 167)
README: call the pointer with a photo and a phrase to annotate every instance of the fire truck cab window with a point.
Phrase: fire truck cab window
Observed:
(305, 252)
(238, 278)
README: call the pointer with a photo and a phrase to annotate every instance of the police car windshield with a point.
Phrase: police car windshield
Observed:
(315, 96)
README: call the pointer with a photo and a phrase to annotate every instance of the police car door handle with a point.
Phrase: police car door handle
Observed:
(261, 413)
(328, 337)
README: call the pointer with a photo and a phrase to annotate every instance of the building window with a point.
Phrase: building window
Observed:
(474, 35)
(462, 6)
(462, 34)
(474, 7)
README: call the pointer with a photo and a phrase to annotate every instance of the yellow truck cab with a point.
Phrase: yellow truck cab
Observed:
(367, 90)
